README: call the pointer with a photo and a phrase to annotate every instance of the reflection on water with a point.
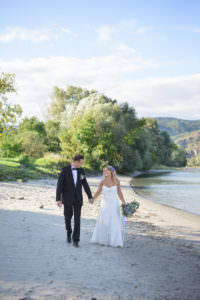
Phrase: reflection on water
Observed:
(177, 188)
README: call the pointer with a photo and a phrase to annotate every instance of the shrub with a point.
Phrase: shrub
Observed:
(52, 160)
(10, 145)
(33, 144)
(26, 160)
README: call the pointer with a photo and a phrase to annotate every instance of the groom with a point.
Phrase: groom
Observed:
(69, 193)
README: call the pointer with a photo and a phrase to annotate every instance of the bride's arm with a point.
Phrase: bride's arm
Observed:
(120, 192)
(98, 192)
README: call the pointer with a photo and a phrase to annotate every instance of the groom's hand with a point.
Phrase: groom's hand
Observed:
(59, 203)
(91, 201)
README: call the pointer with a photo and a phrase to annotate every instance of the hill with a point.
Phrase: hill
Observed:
(177, 126)
(185, 133)
(190, 141)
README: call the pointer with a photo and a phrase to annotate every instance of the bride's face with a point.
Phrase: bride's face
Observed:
(106, 172)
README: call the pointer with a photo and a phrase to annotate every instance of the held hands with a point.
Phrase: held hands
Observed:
(59, 203)
(91, 200)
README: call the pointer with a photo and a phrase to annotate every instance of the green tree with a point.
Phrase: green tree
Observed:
(32, 124)
(107, 132)
(11, 145)
(33, 144)
(9, 114)
(177, 157)
(52, 136)
(60, 99)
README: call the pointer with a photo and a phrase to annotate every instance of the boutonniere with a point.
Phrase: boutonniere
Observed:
(82, 176)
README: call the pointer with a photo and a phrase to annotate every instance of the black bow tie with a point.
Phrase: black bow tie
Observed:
(76, 169)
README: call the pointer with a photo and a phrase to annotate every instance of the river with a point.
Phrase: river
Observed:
(177, 188)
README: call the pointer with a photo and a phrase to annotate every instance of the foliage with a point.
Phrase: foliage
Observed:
(25, 168)
(107, 132)
(10, 145)
(194, 161)
(52, 129)
(178, 157)
(32, 144)
(32, 124)
(186, 134)
(8, 113)
(26, 160)
(176, 126)
(85, 121)
(52, 161)
(130, 208)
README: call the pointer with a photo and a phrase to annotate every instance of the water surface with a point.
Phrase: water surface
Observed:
(177, 188)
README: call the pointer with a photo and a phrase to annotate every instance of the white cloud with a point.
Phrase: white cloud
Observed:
(66, 30)
(34, 35)
(175, 96)
(123, 48)
(144, 29)
(35, 78)
(104, 34)
(130, 27)
(195, 29)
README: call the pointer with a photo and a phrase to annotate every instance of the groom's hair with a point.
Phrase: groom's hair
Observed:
(78, 157)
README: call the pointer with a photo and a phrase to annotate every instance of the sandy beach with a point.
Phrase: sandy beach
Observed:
(160, 259)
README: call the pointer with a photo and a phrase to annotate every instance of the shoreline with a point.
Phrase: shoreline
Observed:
(163, 204)
(160, 171)
(167, 169)
(94, 180)
(171, 220)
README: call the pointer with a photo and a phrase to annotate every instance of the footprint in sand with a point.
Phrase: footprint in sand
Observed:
(51, 273)
(28, 292)
(26, 298)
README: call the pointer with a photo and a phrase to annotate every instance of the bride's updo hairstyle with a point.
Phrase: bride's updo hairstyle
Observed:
(113, 173)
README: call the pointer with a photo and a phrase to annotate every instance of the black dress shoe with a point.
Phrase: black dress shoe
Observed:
(69, 239)
(75, 244)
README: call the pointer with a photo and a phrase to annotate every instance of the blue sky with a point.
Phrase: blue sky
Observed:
(143, 52)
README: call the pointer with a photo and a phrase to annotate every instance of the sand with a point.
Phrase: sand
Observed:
(160, 259)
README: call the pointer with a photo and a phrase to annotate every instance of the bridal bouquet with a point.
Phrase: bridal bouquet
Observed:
(129, 208)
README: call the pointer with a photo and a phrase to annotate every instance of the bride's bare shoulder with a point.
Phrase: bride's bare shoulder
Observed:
(117, 181)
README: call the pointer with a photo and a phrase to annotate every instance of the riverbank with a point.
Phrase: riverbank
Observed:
(160, 259)
(175, 188)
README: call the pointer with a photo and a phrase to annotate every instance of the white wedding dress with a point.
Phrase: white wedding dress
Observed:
(109, 229)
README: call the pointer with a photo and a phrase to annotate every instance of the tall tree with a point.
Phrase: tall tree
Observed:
(8, 113)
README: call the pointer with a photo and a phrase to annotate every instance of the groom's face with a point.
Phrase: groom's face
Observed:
(78, 163)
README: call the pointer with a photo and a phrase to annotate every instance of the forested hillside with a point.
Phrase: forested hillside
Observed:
(185, 133)
(177, 126)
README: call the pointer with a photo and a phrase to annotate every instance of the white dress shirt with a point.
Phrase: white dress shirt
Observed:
(74, 172)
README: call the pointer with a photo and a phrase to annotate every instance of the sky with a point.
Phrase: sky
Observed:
(145, 52)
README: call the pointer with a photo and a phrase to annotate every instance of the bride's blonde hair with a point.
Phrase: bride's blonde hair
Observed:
(113, 173)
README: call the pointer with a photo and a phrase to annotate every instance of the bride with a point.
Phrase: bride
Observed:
(108, 229)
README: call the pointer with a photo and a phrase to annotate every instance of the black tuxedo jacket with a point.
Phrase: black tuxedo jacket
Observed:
(66, 190)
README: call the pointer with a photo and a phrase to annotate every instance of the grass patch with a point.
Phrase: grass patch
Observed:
(24, 169)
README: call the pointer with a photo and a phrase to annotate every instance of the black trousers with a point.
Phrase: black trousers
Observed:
(69, 210)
